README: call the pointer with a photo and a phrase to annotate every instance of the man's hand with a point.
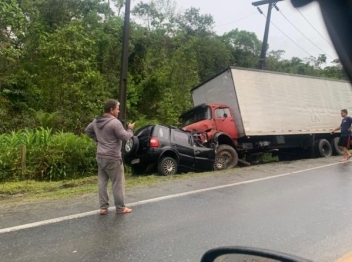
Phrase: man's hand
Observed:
(131, 125)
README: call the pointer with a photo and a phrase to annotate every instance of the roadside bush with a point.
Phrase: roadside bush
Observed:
(49, 156)
(9, 163)
(66, 156)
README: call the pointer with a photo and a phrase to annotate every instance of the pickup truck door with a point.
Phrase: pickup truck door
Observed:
(204, 158)
(225, 123)
(182, 143)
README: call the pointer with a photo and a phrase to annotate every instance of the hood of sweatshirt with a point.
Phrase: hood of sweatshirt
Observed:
(101, 121)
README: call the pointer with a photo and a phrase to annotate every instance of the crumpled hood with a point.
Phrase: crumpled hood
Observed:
(101, 121)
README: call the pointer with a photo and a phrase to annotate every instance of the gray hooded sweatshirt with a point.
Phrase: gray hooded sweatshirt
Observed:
(109, 133)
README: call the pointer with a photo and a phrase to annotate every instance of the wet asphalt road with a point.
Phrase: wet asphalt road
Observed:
(307, 214)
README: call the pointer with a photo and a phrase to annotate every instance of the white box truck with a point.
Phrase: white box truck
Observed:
(247, 112)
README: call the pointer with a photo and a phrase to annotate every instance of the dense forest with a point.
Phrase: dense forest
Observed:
(60, 59)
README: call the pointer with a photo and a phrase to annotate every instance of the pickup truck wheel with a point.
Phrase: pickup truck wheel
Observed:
(167, 166)
(220, 163)
(335, 146)
(229, 154)
(323, 148)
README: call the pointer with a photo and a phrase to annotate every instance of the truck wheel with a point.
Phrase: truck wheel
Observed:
(335, 147)
(323, 148)
(167, 166)
(229, 154)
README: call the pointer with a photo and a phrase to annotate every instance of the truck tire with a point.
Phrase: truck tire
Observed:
(323, 148)
(229, 154)
(335, 147)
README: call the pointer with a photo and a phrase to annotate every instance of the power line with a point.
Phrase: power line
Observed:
(304, 35)
(288, 37)
(315, 28)
(237, 20)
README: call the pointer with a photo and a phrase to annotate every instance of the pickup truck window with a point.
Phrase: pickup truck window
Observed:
(220, 112)
(182, 138)
(161, 132)
(143, 132)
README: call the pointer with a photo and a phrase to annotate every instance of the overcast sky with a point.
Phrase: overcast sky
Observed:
(227, 12)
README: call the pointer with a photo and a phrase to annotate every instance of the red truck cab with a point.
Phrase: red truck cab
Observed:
(211, 119)
(216, 120)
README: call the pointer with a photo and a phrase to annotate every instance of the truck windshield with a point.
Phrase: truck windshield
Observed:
(196, 115)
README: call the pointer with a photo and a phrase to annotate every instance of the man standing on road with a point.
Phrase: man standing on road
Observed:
(107, 131)
(345, 138)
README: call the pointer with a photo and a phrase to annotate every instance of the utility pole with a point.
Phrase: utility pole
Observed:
(124, 64)
(271, 4)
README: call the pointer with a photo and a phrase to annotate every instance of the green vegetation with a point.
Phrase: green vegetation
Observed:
(60, 60)
(47, 156)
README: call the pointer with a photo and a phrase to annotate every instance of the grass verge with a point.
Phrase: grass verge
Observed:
(34, 190)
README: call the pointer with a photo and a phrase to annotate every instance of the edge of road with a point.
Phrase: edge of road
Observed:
(39, 214)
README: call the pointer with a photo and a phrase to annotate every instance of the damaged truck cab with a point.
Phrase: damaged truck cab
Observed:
(214, 125)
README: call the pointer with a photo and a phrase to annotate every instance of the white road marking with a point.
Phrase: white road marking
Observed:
(153, 200)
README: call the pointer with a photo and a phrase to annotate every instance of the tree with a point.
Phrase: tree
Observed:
(212, 54)
(334, 71)
(274, 60)
(245, 47)
(193, 23)
(157, 15)
(11, 32)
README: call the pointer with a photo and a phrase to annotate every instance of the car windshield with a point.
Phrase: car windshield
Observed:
(195, 115)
